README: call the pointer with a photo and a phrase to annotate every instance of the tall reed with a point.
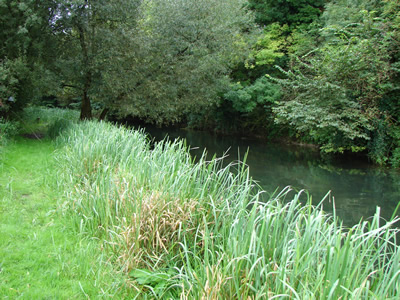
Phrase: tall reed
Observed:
(197, 230)
(48, 115)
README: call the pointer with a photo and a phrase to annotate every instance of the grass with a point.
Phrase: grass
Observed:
(104, 214)
(41, 255)
(48, 115)
(41, 121)
(195, 230)
(7, 130)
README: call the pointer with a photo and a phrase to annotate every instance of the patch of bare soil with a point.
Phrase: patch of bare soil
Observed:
(34, 136)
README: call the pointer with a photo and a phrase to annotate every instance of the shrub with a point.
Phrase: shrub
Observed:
(7, 130)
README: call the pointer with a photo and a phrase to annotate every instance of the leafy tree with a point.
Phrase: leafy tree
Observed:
(320, 110)
(246, 98)
(335, 94)
(26, 45)
(94, 36)
(251, 105)
(290, 12)
(345, 12)
(270, 46)
(284, 22)
(156, 60)
(189, 50)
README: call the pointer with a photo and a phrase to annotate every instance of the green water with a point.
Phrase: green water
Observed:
(356, 187)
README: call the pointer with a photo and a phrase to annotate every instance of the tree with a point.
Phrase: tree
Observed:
(26, 44)
(290, 12)
(94, 36)
(191, 48)
(156, 60)
(340, 95)
(282, 22)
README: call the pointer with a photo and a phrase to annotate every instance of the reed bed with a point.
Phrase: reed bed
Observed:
(48, 115)
(39, 121)
(182, 229)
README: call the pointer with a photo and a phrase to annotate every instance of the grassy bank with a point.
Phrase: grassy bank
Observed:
(181, 229)
(41, 254)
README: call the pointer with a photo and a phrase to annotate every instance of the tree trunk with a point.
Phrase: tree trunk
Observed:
(103, 114)
(86, 107)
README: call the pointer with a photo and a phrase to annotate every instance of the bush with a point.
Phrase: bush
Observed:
(246, 98)
(7, 130)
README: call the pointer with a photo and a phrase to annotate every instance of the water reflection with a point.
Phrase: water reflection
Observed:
(356, 186)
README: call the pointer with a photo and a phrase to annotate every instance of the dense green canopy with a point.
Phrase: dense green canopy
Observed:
(291, 12)
(343, 94)
(154, 59)
(325, 72)
(26, 47)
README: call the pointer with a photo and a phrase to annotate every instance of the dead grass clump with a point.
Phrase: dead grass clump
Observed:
(153, 231)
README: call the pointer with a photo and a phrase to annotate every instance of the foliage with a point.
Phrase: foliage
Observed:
(225, 118)
(24, 28)
(8, 129)
(14, 85)
(340, 86)
(322, 110)
(246, 98)
(335, 94)
(246, 106)
(290, 12)
(199, 231)
(345, 12)
(384, 146)
(26, 48)
(8, 84)
(270, 46)
(130, 56)
(186, 69)
(93, 36)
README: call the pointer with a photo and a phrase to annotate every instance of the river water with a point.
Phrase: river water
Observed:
(356, 187)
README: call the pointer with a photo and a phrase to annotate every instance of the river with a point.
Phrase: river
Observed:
(356, 186)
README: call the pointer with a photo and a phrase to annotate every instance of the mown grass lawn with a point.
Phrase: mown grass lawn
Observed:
(41, 256)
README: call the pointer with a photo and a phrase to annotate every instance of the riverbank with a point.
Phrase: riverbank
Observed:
(41, 256)
(196, 230)
(357, 187)
(110, 214)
